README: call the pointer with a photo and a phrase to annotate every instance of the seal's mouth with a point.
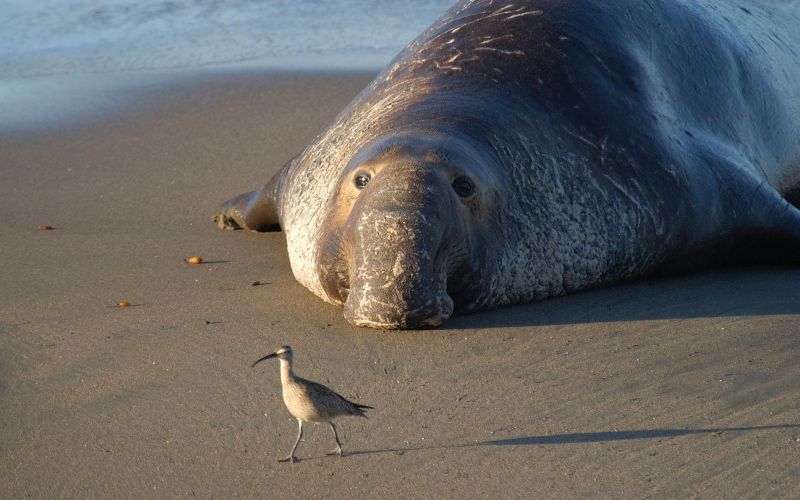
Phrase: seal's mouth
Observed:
(370, 310)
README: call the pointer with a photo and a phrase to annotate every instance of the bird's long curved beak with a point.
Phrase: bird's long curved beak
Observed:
(274, 354)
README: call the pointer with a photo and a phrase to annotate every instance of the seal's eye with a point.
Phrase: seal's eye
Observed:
(362, 180)
(463, 187)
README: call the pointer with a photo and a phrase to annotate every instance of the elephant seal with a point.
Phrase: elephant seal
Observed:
(521, 150)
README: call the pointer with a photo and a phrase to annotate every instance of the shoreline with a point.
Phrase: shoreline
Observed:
(680, 386)
(56, 102)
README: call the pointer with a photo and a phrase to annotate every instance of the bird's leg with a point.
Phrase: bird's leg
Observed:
(338, 450)
(291, 458)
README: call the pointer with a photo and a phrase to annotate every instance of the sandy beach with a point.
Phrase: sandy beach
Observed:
(682, 386)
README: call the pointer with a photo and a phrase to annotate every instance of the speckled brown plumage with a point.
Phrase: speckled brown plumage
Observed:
(309, 401)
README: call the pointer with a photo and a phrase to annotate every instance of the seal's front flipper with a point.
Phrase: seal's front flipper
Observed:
(258, 210)
(251, 211)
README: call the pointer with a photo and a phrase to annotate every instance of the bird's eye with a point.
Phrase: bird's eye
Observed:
(361, 180)
(463, 187)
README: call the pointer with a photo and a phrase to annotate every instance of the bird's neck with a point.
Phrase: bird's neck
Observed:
(287, 374)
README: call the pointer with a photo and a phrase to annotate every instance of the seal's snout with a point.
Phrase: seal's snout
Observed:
(399, 269)
(398, 281)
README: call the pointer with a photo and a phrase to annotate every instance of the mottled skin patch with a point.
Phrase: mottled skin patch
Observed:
(604, 141)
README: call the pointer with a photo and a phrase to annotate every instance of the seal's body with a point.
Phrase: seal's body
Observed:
(521, 150)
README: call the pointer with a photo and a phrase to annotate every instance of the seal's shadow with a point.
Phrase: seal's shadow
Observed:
(587, 437)
(742, 291)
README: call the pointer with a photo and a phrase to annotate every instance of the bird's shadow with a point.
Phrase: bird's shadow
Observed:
(582, 437)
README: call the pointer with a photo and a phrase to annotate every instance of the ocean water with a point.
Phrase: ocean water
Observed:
(64, 60)
(42, 37)
(56, 54)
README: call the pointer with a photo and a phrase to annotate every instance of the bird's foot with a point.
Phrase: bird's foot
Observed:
(290, 458)
(337, 451)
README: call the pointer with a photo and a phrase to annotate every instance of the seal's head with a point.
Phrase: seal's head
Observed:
(409, 232)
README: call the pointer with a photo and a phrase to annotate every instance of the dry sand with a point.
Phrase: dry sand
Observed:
(685, 386)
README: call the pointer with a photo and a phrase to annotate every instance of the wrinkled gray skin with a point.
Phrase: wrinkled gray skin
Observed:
(521, 150)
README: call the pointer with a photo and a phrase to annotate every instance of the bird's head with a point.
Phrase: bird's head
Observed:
(283, 353)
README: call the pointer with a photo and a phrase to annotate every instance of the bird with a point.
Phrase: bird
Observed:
(309, 401)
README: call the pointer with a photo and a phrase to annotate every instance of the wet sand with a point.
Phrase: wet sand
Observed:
(683, 386)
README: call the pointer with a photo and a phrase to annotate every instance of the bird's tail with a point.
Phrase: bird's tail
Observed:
(360, 409)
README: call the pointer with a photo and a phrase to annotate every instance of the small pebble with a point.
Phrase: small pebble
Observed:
(123, 303)
(194, 260)
(44, 228)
